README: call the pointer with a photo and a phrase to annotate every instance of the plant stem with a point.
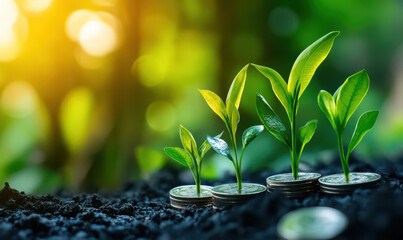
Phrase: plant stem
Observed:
(344, 161)
(294, 155)
(237, 164)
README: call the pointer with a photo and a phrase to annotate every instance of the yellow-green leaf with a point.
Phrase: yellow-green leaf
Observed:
(351, 94)
(215, 103)
(328, 107)
(233, 114)
(235, 92)
(278, 84)
(188, 142)
(179, 155)
(308, 61)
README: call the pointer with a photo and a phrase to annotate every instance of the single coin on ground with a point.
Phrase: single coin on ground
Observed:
(186, 196)
(336, 183)
(305, 184)
(229, 194)
(314, 223)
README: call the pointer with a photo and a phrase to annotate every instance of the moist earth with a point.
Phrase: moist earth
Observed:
(141, 210)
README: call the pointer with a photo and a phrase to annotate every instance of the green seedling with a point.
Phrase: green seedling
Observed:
(189, 155)
(228, 112)
(339, 108)
(288, 95)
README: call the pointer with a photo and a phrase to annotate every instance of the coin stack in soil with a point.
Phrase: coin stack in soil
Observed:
(305, 184)
(185, 196)
(228, 194)
(336, 184)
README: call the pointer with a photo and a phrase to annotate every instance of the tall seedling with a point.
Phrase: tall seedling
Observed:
(339, 108)
(288, 95)
(228, 112)
(189, 155)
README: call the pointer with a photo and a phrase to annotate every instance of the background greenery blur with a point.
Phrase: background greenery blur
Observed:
(92, 90)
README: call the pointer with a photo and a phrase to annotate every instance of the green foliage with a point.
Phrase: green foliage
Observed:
(250, 134)
(230, 115)
(189, 155)
(270, 120)
(288, 94)
(339, 108)
(307, 63)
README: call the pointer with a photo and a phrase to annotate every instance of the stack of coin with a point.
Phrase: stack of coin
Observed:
(312, 223)
(305, 184)
(185, 196)
(229, 194)
(336, 184)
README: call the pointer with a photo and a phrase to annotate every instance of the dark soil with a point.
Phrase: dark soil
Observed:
(141, 210)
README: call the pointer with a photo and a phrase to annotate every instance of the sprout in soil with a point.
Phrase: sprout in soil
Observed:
(288, 95)
(190, 156)
(228, 112)
(339, 108)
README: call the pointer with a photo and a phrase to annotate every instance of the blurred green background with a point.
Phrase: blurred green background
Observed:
(92, 90)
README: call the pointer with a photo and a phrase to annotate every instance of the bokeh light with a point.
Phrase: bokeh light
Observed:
(97, 38)
(36, 5)
(152, 70)
(95, 31)
(9, 14)
(18, 99)
(160, 116)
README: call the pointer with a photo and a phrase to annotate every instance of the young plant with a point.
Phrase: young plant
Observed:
(288, 94)
(228, 112)
(339, 108)
(189, 155)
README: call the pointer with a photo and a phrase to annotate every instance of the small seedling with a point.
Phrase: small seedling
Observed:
(189, 155)
(288, 95)
(339, 108)
(228, 112)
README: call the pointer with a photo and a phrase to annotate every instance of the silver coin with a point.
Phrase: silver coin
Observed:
(356, 179)
(286, 179)
(349, 188)
(189, 192)
(184, 206)
(231, 190)
(296, 188)
(314, 223)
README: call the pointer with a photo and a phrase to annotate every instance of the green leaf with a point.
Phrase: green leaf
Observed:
(306, 132)
(235, 92)
(188, 142)
(180, 155)
(215, 103)
(365, 123)
(250, 134)
(328, 107)
(234, 118)
(351, 94)
(278, 84)
(206, 146)
(220, 146)
(336, 94)
(308, 61)
(270, 119)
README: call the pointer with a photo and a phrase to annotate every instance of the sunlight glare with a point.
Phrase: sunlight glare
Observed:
(97, 38)
(36, 5)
